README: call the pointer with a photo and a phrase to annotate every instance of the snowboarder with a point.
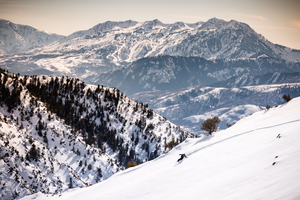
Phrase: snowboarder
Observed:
(182, 156)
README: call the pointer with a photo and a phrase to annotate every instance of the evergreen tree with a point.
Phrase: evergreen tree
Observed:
(33, 154)
(71, 183)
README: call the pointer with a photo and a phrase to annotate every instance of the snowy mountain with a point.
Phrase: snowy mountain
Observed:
(257, 158)
(59, 133)
(16, 38)
(130, 40)
(112, 46)
(189, 107)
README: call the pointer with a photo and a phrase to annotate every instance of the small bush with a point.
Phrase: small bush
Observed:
(268, 107)
(171, 145)
(286, 98)
(131, 164)
(210, 125)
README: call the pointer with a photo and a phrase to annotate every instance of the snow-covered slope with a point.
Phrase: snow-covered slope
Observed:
(257, 158)
(58, 133)
(189, 107)
(38, 151)
(16, 38)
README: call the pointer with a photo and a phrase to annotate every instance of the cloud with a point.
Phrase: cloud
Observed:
(251, 16)
(296, 24)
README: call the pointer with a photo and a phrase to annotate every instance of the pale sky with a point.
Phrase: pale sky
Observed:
(277, 20)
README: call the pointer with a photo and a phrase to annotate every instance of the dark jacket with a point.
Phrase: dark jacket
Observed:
(181, 157)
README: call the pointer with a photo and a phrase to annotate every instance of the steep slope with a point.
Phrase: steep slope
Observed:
(189, 107)
(16, 38)
(257, 158)
(38, 151)
(47, 162)
(59, 133)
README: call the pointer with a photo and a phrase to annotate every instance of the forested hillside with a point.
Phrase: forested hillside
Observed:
(58, 133)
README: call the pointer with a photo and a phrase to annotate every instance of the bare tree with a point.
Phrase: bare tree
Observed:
(210, 125)
(286, 98)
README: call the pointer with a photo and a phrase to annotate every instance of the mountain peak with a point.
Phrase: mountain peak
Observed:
(3, 20)
(108, 25)
(153, 23)
(214, 23)
(215, 20)
(180, 24)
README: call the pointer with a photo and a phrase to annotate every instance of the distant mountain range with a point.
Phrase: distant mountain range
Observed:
(152, 55)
